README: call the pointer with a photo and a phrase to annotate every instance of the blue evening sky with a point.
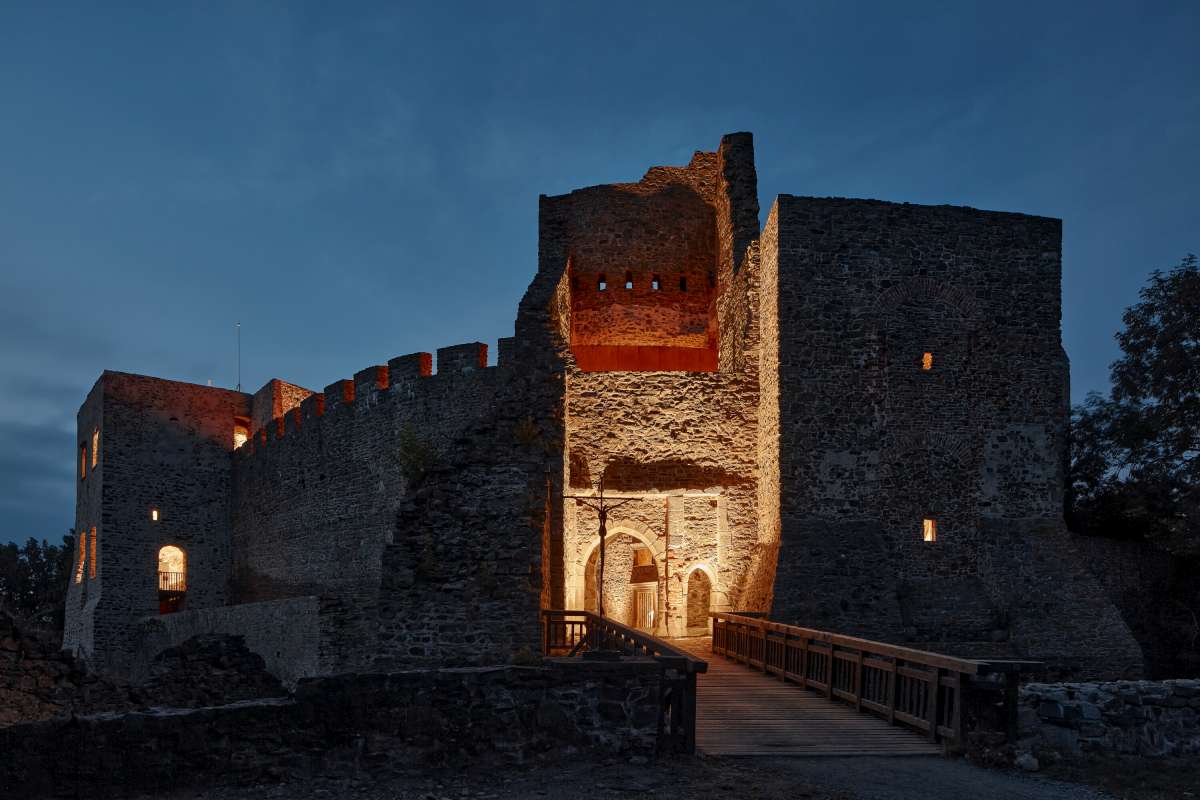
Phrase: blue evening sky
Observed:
(354, 182)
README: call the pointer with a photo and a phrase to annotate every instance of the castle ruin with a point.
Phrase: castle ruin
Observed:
(853, 418)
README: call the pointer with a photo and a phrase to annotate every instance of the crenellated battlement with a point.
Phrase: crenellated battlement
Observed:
(412, 376)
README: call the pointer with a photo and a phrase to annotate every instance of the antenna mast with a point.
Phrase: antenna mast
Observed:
(239, 356)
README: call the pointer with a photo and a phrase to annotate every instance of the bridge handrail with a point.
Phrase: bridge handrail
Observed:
(922, 690)
(569, 631)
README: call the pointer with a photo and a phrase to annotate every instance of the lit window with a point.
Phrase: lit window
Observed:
(241, 433)
(603, 283)
(683, 284)
(82, 557)
(927, 361)
(628, 280)
(929, 530)
(154, 515)
(654, 284)
(82, 461)
(95, 447)
(172, 579)
(92, 556)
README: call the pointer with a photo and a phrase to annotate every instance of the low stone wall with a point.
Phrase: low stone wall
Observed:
(396, 721)
(1142, 718)
(286, 633)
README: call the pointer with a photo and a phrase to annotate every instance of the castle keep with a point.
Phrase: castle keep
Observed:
(853, 418)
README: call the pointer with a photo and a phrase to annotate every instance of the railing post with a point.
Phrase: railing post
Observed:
(690, 714)
(934, 705)
(858, 679)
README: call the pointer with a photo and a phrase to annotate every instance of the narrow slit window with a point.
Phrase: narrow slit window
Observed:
(603, 284)
(95, 447)
(654, 283)
(927, 361)
(154, 515)
(92, 555)
(82, 461)
(628, 280)
(683, 284)
(82, 557)
(929, 530)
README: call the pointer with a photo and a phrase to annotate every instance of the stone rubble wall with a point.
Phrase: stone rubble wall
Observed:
(396, 721)
(1141, 718)
(285, 633)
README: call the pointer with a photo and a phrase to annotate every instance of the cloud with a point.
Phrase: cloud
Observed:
(37, 473)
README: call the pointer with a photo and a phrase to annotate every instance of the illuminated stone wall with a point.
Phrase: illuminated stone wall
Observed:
(680, 444)
(871, 443)
(164, 445)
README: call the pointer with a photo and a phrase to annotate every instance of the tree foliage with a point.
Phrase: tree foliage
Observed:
(1135, 454)
(34, 578)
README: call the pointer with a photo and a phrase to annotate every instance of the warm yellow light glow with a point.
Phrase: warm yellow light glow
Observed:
(82, 461)
(927, 361)
(154, 515)
(92, 556)
(240, 436)
(82, 557)
(95, 447)
(929, 530)
(172, 569)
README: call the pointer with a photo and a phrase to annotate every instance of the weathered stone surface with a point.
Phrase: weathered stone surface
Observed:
(382, 721)
(1141, 718)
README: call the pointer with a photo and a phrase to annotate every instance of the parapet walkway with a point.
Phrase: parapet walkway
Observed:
(742, 712)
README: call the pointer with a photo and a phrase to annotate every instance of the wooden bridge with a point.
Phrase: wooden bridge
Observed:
(761, 688)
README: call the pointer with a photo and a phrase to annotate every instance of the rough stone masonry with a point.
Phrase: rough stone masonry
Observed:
(853, 417)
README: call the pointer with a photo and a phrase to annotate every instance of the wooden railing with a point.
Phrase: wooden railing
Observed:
(921, 690)
(575, 632)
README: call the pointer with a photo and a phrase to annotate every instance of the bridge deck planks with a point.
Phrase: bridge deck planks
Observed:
(742, 712)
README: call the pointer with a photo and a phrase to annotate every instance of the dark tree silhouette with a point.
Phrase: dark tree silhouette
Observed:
(1135, 455)
(34, 579)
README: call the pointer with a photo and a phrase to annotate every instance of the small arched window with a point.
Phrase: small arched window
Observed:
(83, 461)
(172, 579)
(654, 283)
(628, 280)
(602, 285)
(241, 432)
(682, 284)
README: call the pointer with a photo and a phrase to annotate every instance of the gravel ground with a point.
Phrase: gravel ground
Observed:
(908, 778)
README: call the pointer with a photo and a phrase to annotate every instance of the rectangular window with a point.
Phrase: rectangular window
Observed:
(154, 515)
(95, 447)
(929, 530)
(82, 461)
(92, 556)
(927, 361)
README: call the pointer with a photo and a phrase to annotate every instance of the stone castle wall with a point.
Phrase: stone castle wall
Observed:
(1136, 718)
(872, 442)
(163, 445)
(675, 439)
(448, 718)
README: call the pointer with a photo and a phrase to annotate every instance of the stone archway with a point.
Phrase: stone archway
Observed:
(632, 579)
